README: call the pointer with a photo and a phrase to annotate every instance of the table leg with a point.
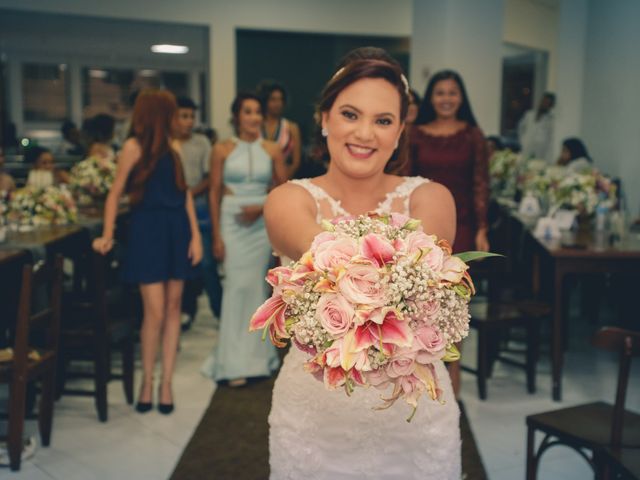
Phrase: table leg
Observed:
(557, 350)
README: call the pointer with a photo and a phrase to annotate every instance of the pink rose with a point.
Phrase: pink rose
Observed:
(378, 378)
(431, 344)
(377, 249)
(360, 284)
(410, 383)
(453, 270)
(430, 309)
(398, 220)
(333, 254)
(322, 238)
(418, 240)
(335, 314)
(402, 363)
(434, 258)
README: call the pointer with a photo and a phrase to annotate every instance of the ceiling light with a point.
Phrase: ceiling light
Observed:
(167, 48)
(95, 73)
(147, 73)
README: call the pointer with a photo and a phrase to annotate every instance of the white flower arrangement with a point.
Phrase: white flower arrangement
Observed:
(91, 178)
(583, 191)
(504, 166)
(32, 206)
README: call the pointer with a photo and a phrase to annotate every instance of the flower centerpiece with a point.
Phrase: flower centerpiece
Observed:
(582, 191)
(32, 206)
(504, 166)
(91, 178)
(374, 302)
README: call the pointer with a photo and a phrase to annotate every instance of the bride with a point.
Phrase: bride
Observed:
(320, 434)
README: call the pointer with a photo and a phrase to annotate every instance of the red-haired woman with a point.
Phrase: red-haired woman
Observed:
(164, 240)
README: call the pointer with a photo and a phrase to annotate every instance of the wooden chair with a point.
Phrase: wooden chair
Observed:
(506, 307)
(29, 364)
(592, 428)
(96, 324)
(621, 463)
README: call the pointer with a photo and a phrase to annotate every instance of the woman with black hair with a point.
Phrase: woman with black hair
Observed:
(278, 129)
(99, 131)
(242, 170)
(447, 146)
(43, 168)
(574, 155)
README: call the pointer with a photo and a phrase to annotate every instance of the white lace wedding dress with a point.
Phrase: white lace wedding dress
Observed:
(320, 434)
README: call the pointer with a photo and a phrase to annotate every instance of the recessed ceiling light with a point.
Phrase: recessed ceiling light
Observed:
(168, 48)
(95, 73)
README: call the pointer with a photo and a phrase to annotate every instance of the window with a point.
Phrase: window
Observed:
(44, 89)
(110, 90)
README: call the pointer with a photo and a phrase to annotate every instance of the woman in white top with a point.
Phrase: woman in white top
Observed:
(574, 156)
(321, 434)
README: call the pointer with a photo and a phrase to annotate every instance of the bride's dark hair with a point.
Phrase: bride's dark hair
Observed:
(366, 62)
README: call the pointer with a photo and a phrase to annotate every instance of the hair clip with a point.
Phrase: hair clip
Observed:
(406, 83)
(337, 73)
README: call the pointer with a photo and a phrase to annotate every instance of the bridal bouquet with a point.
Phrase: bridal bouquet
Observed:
(92, 178)
(42, 206)
(374, 302)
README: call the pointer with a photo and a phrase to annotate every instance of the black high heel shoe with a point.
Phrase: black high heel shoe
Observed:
(165, 408)
(143, 407)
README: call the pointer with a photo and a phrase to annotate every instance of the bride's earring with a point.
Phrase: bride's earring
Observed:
(324, 132)
(396, 146)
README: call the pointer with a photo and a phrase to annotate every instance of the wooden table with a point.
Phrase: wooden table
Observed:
(582, 252)
(46, 236)
(12, 256)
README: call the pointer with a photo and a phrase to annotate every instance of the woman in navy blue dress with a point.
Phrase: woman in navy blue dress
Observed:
(164, 240)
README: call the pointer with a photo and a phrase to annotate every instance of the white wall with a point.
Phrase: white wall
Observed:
(611, 101)
(464, 35)
(534, 25)
(570, 71)
(366, 17)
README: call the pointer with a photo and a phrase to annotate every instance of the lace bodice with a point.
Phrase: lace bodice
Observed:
(317, 434)
(397, 200)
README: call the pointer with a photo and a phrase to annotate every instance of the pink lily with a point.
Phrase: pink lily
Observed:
(278, 275)
(350, 357)
(271, 315)
(392, 331)
(334, 377)
(377, 249)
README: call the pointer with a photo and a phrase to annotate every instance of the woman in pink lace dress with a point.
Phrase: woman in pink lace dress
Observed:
(320, 434)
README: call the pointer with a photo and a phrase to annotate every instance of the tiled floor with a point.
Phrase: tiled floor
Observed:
(499, 421)
(147, 446)
(129, 445)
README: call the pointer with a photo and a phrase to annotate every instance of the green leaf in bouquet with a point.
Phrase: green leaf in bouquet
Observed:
(412, 224)
(327, 225)
(452, 354)
(467, 257)
(462, 291)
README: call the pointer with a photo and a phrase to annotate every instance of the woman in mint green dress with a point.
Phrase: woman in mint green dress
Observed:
(243, 168)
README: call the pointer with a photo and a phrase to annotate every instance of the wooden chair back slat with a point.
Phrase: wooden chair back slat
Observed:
(614, 339)
(33, 278)
(627, 344)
